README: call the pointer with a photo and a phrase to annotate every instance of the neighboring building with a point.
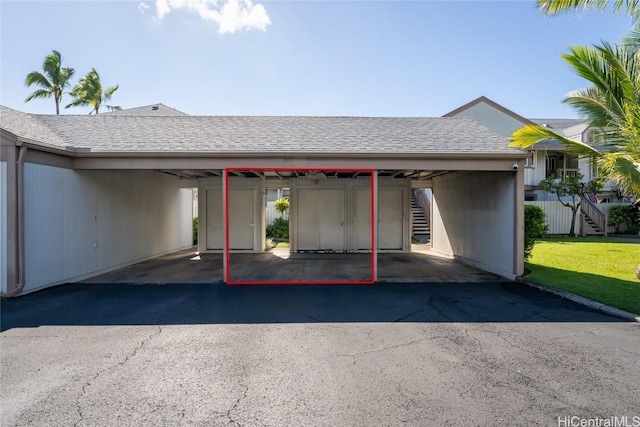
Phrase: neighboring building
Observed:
(545, 158)
(82, 195)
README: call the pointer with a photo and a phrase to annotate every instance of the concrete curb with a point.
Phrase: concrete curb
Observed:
(582, 300)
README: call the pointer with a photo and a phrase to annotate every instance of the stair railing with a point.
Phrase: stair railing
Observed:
(597, 216)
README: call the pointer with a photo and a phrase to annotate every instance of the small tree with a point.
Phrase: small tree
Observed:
(572, 187)
(534, 227)
(282, 206)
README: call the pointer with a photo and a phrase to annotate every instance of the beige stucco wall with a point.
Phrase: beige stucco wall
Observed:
(81, 223)
(474, 219)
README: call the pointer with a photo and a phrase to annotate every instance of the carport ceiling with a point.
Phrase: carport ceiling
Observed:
(417, 175)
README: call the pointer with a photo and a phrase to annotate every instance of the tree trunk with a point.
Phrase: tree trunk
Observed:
(572, 230)
(57, 106)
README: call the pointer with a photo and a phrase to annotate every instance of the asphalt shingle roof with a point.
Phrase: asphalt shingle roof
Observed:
(157, 110)
(106, 132)
(558, 124)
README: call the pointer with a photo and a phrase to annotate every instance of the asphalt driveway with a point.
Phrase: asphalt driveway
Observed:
(395, 354)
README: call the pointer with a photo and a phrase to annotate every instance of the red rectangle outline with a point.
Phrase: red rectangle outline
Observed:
(226, 254)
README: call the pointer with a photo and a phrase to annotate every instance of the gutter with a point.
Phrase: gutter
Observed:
(20, 223)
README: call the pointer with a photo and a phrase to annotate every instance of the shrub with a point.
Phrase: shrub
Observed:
(195, 231)
(623, 215)
(534, 227)
(279, 229)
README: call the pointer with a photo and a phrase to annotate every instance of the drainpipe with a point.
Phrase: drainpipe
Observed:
(20, 223)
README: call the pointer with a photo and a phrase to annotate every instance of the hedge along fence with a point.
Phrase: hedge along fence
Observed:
(559, 216)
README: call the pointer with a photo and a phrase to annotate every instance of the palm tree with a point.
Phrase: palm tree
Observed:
(52, 81)
(88, 92)
(611, 103)
(554, 7)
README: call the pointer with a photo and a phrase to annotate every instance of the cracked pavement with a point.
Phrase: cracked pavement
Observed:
(414, 355)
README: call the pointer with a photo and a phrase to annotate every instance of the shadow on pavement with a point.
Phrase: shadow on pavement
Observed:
(122, 304)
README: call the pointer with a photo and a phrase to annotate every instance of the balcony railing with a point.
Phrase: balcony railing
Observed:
(563, 173)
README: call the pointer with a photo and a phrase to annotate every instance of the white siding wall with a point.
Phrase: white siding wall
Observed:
(494, 119)
(473, 219)
(3, 226)
(558, 217)
(80, 223)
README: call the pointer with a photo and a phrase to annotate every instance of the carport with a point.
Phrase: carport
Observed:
(475, 178)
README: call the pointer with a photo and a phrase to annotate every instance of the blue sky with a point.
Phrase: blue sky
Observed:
(335, 58)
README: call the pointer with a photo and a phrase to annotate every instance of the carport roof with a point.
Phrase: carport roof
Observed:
(121, 133)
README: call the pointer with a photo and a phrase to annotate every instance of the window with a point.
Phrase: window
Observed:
(530, 161)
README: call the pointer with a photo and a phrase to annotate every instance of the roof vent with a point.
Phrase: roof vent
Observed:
(154, 108)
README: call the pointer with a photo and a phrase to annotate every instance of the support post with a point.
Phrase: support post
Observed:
(225, 219)
(374, 219)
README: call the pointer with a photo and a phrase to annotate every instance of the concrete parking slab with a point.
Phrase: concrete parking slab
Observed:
(385, 355)
(420, 265)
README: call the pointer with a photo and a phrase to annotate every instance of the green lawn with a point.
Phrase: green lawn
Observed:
(601, 269)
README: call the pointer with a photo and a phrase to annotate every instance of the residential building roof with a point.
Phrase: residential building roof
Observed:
(558, 124)
(148, 110)
(113, 133)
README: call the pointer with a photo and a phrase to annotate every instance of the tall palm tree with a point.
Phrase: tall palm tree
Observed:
(52, 81)
(610, 103)
(88, 92)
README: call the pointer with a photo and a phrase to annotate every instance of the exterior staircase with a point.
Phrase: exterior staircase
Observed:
(593, 221)
(420, 229)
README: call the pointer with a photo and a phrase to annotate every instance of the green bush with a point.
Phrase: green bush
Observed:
(534, 227)
(623, 215)
(279, 229)
(195, 231)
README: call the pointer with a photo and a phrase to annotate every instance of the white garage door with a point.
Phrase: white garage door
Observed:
(363, 219)
(320, 220)
(241, 219)
(214, 219)
(390, 218)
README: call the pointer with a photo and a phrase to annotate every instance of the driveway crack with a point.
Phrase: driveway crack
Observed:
(99, 373)
(239, 399)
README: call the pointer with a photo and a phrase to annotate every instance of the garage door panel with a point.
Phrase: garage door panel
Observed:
(390, 218)
(331, 216)
(215, 223)
(363, 219)
(241, 219)
(307, 220)
(321, 219)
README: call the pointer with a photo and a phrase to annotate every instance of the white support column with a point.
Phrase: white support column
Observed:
(374, 219)
(225, 219)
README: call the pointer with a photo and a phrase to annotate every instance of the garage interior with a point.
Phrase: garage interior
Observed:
(330, 232)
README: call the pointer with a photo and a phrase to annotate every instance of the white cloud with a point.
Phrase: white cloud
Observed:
(142, 7)
(230, 15)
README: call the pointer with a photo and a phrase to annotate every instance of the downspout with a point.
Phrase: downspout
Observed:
(20, 223)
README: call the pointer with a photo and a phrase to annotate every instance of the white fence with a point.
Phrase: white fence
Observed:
(559, 216)
(272, 213)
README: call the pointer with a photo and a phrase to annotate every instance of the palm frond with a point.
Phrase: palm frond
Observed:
(40, 93)
(554, 7)
(36, 78)
(529, 135)
(622, 170)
